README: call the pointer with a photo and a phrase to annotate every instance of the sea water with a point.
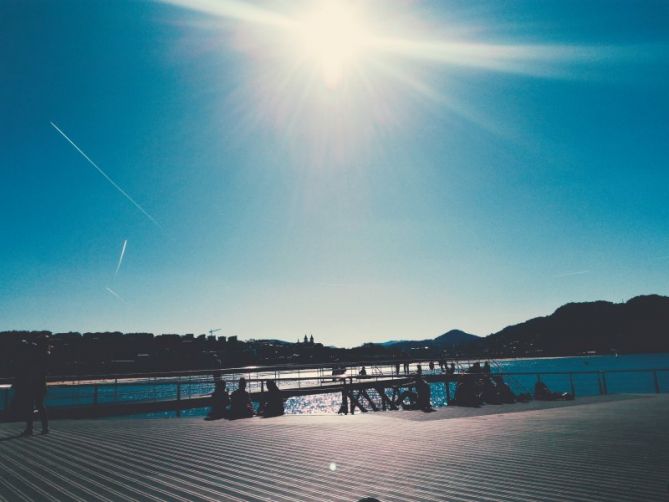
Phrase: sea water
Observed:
(582, 375)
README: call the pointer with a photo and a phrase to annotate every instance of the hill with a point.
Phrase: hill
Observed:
(450, 341)
(638, 325)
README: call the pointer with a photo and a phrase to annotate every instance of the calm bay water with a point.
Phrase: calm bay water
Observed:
(521, 374)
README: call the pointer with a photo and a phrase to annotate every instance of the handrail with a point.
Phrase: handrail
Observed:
(162, 377)
(334, 379)
(194, 390)
(277, 367)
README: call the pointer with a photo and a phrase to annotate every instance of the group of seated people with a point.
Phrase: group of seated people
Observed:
(474, 387)
(478, 386)
(239, 405)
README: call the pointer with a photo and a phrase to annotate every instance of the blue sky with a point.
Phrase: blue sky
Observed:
(480, 164)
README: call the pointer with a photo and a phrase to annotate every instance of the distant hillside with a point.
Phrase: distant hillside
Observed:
(639, 325)
(452, 340)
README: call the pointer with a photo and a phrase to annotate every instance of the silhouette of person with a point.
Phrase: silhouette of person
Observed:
(490, 392)
(30, 383)
(240, 402)
(505, 393)
(451, 369)
(475, 368)
(431, 365)
(363, 371)
(273, 402)
(486, 367)
(419, 370)
(397, 368)
(466, 391)
(219, 401)
(423, 395)
(406, 367)
(543, 393)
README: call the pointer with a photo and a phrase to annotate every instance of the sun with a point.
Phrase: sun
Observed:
(333, 38)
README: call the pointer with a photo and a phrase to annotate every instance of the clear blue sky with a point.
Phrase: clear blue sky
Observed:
(444, 165)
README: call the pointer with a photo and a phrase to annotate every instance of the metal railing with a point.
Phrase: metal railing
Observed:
(194, 385)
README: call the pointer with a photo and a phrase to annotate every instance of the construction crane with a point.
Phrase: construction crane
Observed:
(212, 331)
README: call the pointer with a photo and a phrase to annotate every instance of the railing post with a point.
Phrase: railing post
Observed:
(178, 396)
(599, 383)
(571, 384)
(656, 381)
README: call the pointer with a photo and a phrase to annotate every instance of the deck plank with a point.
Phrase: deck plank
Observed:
(596, 449)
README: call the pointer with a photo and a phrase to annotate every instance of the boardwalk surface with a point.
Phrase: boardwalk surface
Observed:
(594, 450)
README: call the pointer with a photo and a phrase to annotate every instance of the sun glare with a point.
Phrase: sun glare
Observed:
(333, 38)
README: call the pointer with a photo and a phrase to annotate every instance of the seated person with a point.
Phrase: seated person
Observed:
(219, 401)
(466, 391)
(506, 395)
(543, 393)
(490, 392)
(363, 371)
(273, 402)
(240, 402)
(423, 395)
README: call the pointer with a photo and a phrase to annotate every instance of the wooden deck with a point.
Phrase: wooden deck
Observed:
(596, 449)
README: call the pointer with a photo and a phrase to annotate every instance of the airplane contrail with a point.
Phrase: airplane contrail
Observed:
(107, 176)
(120, 259)
(114, 293)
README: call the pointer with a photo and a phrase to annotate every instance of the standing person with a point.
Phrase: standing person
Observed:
(33, 384)
(397, 368)
(406, 367)
(240, 402)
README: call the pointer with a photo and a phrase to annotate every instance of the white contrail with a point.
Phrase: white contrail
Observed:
(106, 176)
(114, 293)
(120, 259)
